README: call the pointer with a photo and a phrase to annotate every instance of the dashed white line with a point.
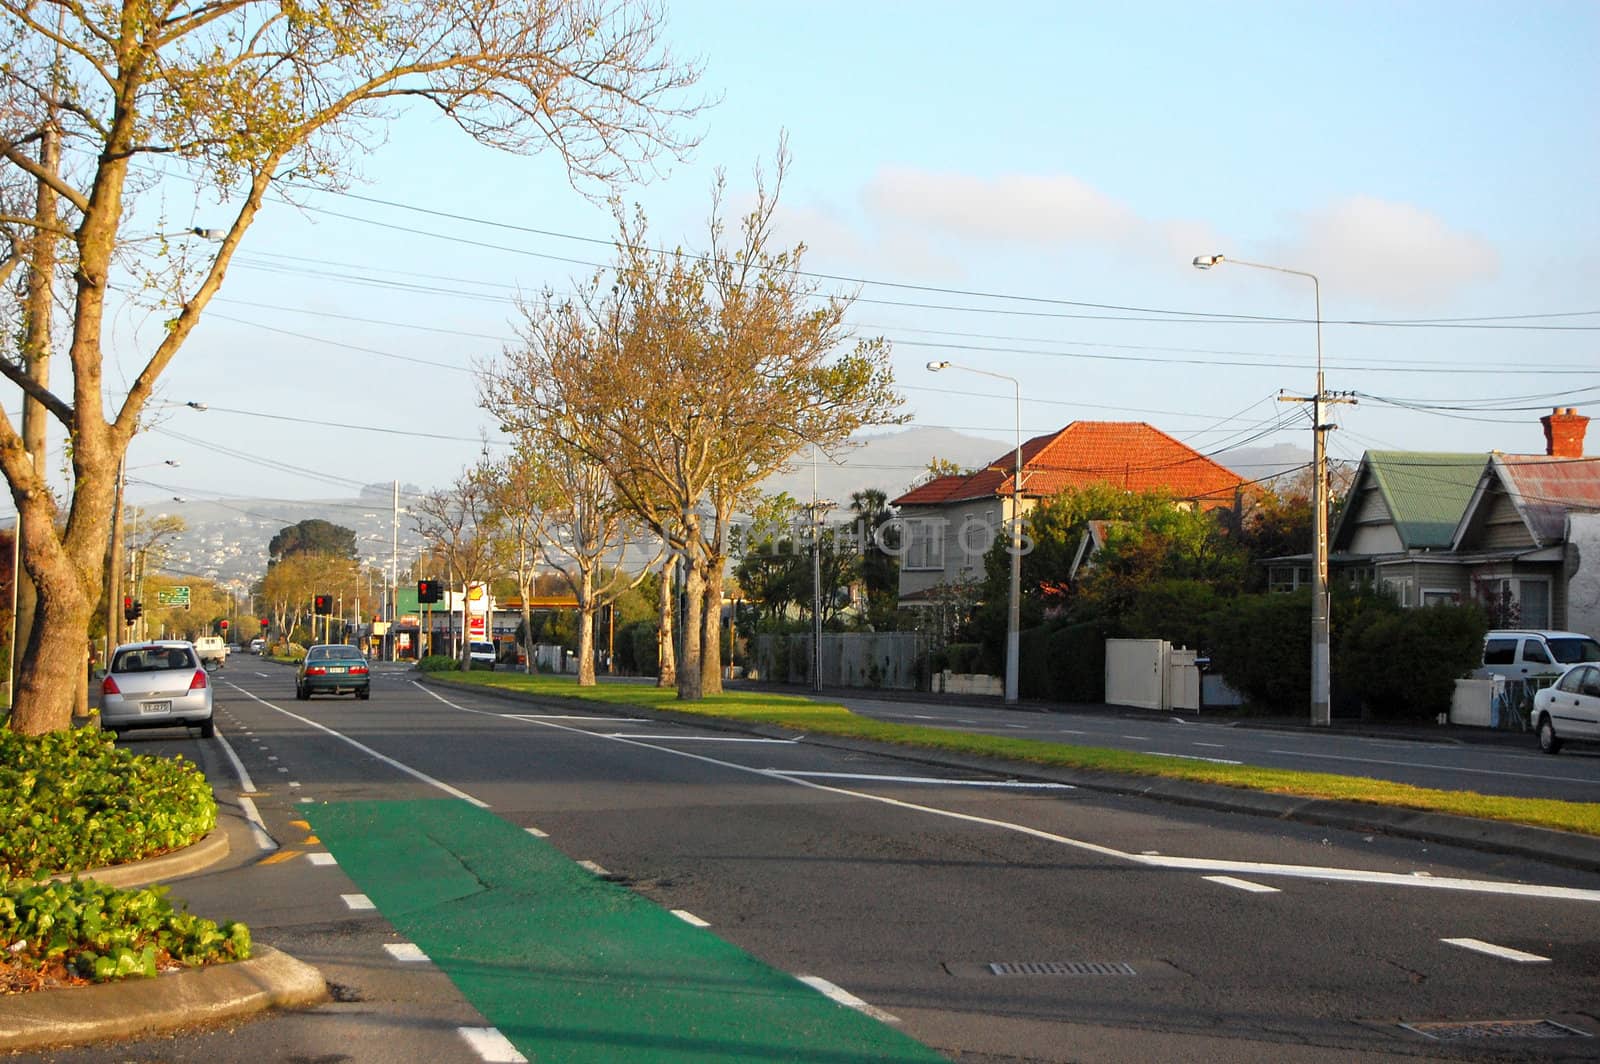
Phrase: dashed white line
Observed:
(690, 918)
(1434, 768)
(1137, 738)
(1015, 784)
(1214, 746)
(357, 901)
(592, 867)
(1242, 884)
(1192, 757)
(536, 833)
(408, 952)
(1503, 952)
(322, 859)
(696, 738)
(844, 997)
(492, 1046)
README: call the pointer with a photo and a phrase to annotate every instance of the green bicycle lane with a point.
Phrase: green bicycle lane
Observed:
(570, 967)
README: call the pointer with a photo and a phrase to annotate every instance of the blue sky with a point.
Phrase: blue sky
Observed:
(1425, 160)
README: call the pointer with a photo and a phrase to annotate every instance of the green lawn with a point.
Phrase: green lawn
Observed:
(823, 718)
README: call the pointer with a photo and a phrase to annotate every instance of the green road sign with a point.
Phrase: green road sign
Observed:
(173, 596)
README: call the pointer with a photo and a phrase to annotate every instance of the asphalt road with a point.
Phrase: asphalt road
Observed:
(1502, 764)
(988, 920)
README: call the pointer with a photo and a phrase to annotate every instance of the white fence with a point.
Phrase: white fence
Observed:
(1150, 674)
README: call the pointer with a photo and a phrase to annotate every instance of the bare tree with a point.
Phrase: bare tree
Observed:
(456, 523)
(516, 528)
(241, 97)
(691, 379)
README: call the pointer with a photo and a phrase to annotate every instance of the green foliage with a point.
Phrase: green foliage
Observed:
(1262, 644)
(1403, 663)
(636, 648)
(102, 933)
(438, 663)
(1179, 611)
(312, 536)
(1063, 663)
(71, 800)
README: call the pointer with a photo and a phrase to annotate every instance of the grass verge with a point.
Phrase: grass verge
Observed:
(824, 718)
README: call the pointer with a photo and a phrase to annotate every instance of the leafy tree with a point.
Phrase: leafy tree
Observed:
(879, 542)
(456, 524)
(240, 98)
(312, 536)
(691, 378)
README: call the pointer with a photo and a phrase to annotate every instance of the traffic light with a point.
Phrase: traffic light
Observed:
(127, 609)
(429, 591)
(224, 626)
(263, 624)
(138, 611)
(323, 604)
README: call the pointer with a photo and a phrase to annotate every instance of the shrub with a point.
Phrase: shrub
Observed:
(1077, 655)
(1403, 664)
(102, 933)
(438, 663)
(964, 658)
(1262, 644)
(71, 800)
(1180, 611)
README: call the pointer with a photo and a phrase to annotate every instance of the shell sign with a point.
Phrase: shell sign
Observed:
(477, 610)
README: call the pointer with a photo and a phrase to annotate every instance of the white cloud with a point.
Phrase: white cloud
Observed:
(1388, 252)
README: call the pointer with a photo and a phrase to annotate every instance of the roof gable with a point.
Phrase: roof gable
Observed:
(1543, 489)
(1426, 492)
(1127, 454)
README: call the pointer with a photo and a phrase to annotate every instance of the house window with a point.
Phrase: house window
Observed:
(1287, 577)
(1396, 589)
(924, 544)
(1534, 596)
(1440, 597)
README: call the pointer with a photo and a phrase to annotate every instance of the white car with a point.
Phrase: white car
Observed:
(1569, 709)
(156, 685)
(482, 653)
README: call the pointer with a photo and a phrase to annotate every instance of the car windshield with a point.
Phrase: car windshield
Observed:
(152, 659)
(483, 648)
(330, 652)
(1573, 650)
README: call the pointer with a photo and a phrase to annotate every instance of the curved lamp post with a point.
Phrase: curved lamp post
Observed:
(1014, 606)
(1321, 687)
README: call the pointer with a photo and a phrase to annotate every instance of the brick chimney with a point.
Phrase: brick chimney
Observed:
(1563, 433)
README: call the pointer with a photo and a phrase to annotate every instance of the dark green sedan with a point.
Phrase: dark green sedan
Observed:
(333, 669)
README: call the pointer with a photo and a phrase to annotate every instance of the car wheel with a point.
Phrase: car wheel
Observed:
(364, 693)
(1548, 742)
(301, 693)
(208, 729)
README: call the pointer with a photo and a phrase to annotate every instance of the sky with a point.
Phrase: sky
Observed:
(1020, 191)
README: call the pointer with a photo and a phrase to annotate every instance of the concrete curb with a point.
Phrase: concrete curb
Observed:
(137, 1008)
(212, 848)
(1563, 848)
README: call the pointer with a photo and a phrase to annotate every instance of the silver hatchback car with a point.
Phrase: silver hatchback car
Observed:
(156, 685)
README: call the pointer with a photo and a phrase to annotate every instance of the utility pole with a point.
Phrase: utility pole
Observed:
(394, 586)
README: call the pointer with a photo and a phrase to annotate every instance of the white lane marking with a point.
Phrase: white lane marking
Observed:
(1017, 784)
(357, 901)
(246, 784)
(696, 738)
(574, 716)
(1242, 884)
(408, 952)
(844, 997)
(322, 859)
(536, 833)
(262, 675)
(1503, 952)
(1191, 864)
(1192, 757)
(1435, 768)
(492, 1046)
(1214, 746)
(303, 799)
(690, 918)
(1068, 731)
(258, 827)
(1137, 738)
(282, 768)
(293, 784)
(592, 867)
(369, 751)
(272, 757)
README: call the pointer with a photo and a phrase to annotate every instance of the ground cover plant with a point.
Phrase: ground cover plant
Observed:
(822, 718)
(71, 801)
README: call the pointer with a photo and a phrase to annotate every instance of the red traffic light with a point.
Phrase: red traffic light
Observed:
(127, 602)
(224, 626)
(323, 604)
(263, 622)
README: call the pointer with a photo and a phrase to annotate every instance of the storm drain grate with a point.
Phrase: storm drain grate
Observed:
(1478, 1029)
(1061, 968)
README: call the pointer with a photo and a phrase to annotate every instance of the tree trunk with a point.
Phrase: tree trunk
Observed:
(666, 653)
(52, 663)
(586, 612)
(711, 632)
(527, 631)
(689, 688)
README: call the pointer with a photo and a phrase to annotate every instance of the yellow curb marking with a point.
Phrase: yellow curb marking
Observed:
(281, 855)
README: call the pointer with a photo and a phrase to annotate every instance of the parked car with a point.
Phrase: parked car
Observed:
(1526, 653)
(258, 646)
(1569, 709)
(482, 653)
(333, 669)
(212, 650)
(156, 685)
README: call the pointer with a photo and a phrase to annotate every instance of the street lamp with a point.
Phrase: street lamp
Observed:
(1014, 606)
(1321, 687)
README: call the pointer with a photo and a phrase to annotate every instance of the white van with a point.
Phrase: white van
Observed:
(1525, 653)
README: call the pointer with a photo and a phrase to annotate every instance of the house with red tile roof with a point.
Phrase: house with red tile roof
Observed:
(950, 522)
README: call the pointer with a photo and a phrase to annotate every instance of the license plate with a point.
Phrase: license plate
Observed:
(155, 707)
(336, 668)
